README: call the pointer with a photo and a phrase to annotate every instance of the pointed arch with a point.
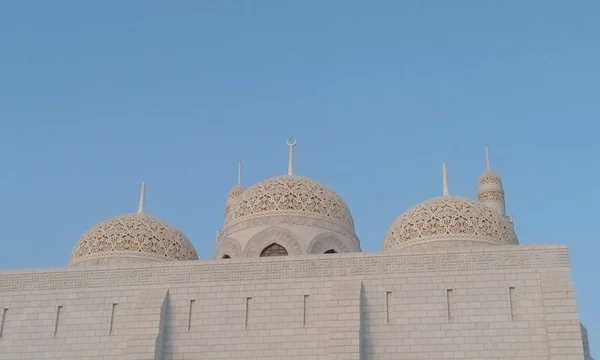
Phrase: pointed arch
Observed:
(274, 250)
(329, 242)
(282, 237)
(229, 247)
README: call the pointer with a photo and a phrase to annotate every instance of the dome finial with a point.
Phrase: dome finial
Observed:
(291, 142)
(142, 198)
(239, 179)
(445, 179)
(487, 157)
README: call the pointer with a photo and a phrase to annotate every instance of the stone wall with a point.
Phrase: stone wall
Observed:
(512, 302)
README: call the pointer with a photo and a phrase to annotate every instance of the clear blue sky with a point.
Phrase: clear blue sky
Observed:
(97, 96)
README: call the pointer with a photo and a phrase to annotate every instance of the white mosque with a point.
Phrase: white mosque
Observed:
(289, 281)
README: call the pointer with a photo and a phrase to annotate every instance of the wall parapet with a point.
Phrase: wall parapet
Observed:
(362, 265)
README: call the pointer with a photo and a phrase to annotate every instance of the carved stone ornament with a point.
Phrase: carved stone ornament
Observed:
(289, 195)
(192, 274)
(449, 218)
(232, 198)
(228, 246)
(489, 177)
(270, 236)
(134, 236)
(491, 195)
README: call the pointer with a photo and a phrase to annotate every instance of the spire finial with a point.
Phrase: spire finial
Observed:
(487, 157)
(445, 179)
(142, 198)
(291, 142)
(239, 179)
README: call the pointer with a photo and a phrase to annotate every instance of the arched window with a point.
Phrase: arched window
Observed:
(274, 250)
(226, 257)
(330, 251)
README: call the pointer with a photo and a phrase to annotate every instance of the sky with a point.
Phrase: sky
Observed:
(96, 97)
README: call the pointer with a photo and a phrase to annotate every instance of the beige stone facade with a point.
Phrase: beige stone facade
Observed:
(289, 281)
(495, 302)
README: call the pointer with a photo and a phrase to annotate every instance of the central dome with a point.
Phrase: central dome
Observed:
(290, 195)
(451, 220)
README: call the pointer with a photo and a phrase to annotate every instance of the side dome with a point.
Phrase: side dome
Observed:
(290, 195)
(132, 238)
(449, 221)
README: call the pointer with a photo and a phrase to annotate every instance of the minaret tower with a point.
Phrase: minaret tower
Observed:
(236, 191)
(489, 188)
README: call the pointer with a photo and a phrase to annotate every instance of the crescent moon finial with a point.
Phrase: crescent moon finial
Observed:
(291, 142)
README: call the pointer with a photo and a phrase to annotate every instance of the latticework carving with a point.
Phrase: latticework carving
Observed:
(135, 236)
(449, 218)
(232, 198)
(289, 195)
(490, 195)
(489, 177)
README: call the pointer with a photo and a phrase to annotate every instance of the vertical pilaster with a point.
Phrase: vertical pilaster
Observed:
(346, 334)
(563, 329)
(147, 319)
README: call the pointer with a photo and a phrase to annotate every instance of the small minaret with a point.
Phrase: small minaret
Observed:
(489, 188)
(235, 192)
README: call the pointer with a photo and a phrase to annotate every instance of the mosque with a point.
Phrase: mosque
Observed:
(289, 281)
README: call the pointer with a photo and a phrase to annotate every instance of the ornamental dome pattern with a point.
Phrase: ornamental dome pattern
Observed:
(290, 195)
(489, 177)
(138, 236)
(232, 198)
(451, 219)
(234, 193)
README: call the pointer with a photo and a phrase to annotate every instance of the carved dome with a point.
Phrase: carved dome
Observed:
(290, 195)
(452, 220)
(139, 236)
